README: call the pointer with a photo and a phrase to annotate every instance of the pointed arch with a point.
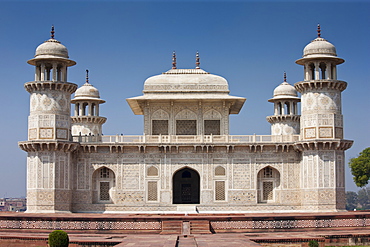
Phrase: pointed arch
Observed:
(152, 171)
(160, 114)
(186, 122)
(104, 182)
(220, 171)
(186, 186)
(186, 114)
(268, 180)
(212, 114)
(160, 122)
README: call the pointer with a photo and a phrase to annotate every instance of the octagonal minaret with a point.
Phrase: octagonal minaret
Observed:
(285, 120)
(322, 144)
(49, 145)
(86, 120)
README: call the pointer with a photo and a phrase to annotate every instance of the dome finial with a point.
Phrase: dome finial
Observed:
(87, 76)
(52, 32)
(318, 30)
(284, 76)
(174, 60)
(197, 63)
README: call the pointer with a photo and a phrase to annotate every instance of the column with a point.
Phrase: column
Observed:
(306, 73)
(328, 69)
(276, 111)
(76, 109)
(80, 106)
(97, 110)
(37, 73)
(42, 72)
(282, 104)
(90, 109)
(317, 71)
(54, 69)
(63, 73)
(334, 72)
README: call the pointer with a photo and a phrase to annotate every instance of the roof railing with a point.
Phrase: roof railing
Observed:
(185, 138)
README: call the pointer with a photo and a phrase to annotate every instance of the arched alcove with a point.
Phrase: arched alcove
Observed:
(103, 184)
(152, 171)
(268, 179)
(220, 171)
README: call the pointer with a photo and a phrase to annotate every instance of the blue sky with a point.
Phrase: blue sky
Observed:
(122, 43)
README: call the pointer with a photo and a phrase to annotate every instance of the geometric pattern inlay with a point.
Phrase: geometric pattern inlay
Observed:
(289, 224)
(80, 225)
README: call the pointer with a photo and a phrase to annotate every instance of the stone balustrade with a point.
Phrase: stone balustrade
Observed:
(186, 138)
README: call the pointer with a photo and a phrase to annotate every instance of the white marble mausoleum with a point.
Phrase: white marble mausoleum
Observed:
(186, 160)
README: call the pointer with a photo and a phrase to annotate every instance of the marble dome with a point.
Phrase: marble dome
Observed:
(186, 80)
(52, 49)
(319, 47)
(87, 92)
(284, 91)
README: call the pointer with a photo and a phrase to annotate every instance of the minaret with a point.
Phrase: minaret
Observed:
(285, 120)
(86, 120)
(322, 144)
(49, 145)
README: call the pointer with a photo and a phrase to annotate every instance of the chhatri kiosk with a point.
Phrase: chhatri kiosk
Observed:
(186, 159)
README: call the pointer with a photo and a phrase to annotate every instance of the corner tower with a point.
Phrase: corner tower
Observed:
(86, 120)
(285, 120)
(322, 144)
(49, 144)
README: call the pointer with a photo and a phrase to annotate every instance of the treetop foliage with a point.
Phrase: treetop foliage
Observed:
(360, 168)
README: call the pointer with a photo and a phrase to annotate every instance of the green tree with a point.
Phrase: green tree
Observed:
(58, 238)
(351, 200)
(360, 168)
(313, 243)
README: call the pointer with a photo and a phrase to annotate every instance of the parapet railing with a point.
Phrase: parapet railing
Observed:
(185, 138)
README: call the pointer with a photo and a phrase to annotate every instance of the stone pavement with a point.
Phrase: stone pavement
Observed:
(196, 240)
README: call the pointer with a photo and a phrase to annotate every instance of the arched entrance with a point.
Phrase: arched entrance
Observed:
(186, 187)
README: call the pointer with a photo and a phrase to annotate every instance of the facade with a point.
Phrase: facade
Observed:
(186, 159)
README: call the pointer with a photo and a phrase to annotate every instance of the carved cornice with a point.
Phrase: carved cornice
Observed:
(304, 86)
(283, 118)
(323, 145)
(50, 85)
(197, 148)
(88, 119)
(38, 146)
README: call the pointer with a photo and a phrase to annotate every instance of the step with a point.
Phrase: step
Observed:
(172, 227)
(200, 227)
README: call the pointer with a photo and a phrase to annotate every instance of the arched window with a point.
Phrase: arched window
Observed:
(186, 123)
(93, 109)
(268, 180)
(323, 70)
(103, 185)
(312, 71)
(84, 106)
(280, 109)
(287, 108)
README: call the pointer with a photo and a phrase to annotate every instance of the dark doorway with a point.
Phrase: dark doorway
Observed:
(186, 187)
